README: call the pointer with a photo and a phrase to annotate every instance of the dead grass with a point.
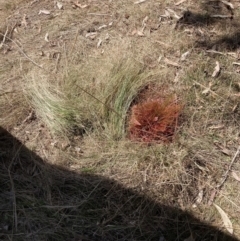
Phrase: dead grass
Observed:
(83, 95)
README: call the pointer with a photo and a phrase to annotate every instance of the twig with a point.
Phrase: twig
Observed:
(206, 88)
(216, 190)
(221, 53)
(100, 14)
(4, 38)
(57, 61)
(229, 169)
(22, 52)
(221, 16)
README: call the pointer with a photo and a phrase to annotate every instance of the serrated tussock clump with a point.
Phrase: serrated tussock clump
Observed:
(154, 120)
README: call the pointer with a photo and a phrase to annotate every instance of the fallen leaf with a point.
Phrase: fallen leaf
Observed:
(234, 108)
(79, 5)
(91, 35)
(166, 15)
(102, 26)
(163, 43)
(184, 55)
(107, 36)
(169, 62)
(207, 89)
(217, 69)
(134, 32)
(179, 2)
(99, 43)
(235, 176)
(217, 127)
(44, 11)
(223, 149)
(200, 196)
(221, 16)
(46, 38)
(176, 78)
(226, 221)
(228, 4)
(140, 1)
(236, 63)
(24, 21)
(59, 5)
(145, 21)
(174, 13)
(140, 33)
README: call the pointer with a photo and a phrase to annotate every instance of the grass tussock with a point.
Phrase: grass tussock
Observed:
(50, 104)
(125, 82)
(75, 102)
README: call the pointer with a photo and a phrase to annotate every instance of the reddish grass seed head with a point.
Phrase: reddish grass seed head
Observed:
(154, 120)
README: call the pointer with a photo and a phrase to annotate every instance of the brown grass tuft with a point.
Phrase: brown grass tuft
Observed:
(154, 120)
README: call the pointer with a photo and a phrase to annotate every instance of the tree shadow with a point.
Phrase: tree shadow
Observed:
(225, 42)
(216, 7)
(217, 14)
(39, 201)
(211, 12)
(190, 18)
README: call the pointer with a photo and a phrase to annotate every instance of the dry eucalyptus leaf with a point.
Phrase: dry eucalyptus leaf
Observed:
(140, 1)
(226, 221)
(226, 151)
(176, 78)
(166, 15)
(179, 2)
(24, 21)
(46, 38)
(79, 5)
(145, 21)
(220, 16)
(107, 36)
(169, 62)
(207, 89)
(235, 176)
(217, 127)
(184, 55)
(99, 43)
(91, 35)
(44, 11)
(199, 198)
(59, 5)
(140, 33)
(174, 13)
(228, 4)
(236, 63)
(134, 32)
(216, 70)
(102, 26)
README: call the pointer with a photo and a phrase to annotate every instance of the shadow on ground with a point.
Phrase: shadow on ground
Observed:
(39, 201)
(219, 15)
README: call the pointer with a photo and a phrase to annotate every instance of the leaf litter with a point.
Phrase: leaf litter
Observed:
(226, 221)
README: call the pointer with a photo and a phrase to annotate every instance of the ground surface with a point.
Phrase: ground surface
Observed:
(69, 73)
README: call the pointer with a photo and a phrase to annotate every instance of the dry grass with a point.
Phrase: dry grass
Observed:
(82, 95)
